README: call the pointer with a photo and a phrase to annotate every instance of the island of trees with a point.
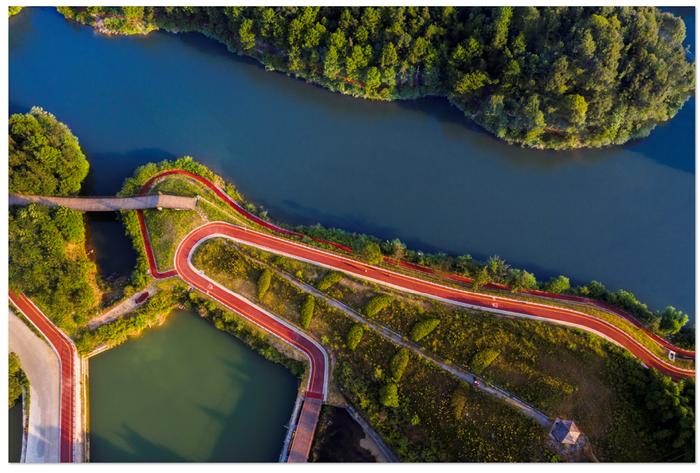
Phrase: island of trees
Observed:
(558, 78)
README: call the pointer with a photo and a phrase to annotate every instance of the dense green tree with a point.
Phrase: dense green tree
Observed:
(423, 328)
(17, 381)
(307, 311)
(376, 304)
(369, 251)
(389, 395)
(264, 282)
(558, 284)
(246, 34)
(329, 280)
(354, 336)
(521, 279)
(483, 359)
(672, 320)
(42, 267)
(44, 156)
(331, 67)
(481, 279)
(399, 363)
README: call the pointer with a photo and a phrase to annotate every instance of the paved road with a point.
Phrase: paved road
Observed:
(108, 204)
(69, 385)
(402, 282)
(40, 363)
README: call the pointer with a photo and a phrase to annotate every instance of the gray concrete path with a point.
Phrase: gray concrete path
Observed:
(476, 382)
(122, 308)
(41, 365)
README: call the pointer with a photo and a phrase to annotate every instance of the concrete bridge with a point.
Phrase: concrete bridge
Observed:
(109, 204)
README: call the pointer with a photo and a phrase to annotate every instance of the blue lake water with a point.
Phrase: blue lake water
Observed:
(415, 170)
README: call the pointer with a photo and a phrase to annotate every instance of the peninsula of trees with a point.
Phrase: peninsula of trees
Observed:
(558, 78)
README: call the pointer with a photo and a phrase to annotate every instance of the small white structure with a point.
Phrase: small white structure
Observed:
(565, 432)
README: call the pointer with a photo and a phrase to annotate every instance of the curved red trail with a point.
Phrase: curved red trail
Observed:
(416, 267)
(443, 293)
(66, 354)
(317, 385)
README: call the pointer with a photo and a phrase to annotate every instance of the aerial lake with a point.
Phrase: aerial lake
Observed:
(187, 392)
(416, 170)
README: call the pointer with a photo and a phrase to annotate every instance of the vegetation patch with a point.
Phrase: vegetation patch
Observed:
(47, 257)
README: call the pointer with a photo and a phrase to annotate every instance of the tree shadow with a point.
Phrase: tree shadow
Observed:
(138, 449)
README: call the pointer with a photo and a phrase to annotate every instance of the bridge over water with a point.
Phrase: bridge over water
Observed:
(109, 204)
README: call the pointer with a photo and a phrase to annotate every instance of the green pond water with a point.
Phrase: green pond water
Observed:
(187, 392)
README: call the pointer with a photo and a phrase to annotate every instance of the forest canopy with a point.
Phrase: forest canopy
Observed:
(47, 245)
(555, 77)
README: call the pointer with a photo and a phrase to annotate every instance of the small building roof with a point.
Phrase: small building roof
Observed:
(565, 431)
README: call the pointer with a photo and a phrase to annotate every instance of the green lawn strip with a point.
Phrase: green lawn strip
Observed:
(166, 228)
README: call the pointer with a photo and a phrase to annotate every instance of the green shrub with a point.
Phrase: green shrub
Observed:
(389, 395)
(377, 303)
(423, 328)
(264, 283)
(307, 311)
(398, 364)
(369, 251)
(354, 336)
(558, 285)
(458, 403)
(329, 280)
(483, 360)
(17, 381)
(44, 156)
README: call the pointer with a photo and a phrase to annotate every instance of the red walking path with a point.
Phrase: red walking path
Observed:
(412, 266)
(67, 355)
(490, 303)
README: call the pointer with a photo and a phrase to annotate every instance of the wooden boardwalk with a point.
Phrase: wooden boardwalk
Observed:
(304, 433)
(109, 204)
